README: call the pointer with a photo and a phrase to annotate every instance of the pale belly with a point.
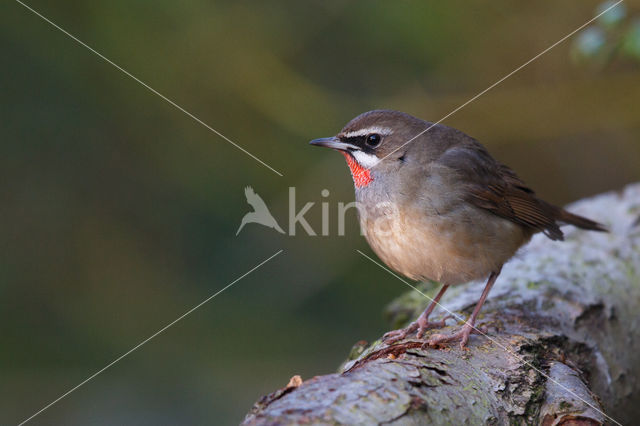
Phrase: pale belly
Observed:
(467, 244)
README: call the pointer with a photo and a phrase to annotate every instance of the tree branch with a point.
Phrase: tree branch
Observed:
(562, 344)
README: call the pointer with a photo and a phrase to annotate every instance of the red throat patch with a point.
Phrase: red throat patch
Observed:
(361, 176)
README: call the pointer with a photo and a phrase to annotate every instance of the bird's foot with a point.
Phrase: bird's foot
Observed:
(421, 324)
(462, 335)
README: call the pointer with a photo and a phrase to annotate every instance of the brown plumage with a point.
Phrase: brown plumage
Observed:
(496, 188)
(440, 207)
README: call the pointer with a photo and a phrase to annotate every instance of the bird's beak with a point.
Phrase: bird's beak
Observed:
(334, 143)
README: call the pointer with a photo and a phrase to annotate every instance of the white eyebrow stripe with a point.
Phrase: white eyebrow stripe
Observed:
(384, 131)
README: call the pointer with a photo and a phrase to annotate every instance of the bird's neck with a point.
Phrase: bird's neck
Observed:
(361, 175)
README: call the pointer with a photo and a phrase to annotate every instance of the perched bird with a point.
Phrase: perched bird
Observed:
(433, 204)
(260, 213)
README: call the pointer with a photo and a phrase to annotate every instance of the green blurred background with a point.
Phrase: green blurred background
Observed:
(119, 212)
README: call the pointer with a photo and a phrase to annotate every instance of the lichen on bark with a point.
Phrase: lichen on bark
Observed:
(562, 344)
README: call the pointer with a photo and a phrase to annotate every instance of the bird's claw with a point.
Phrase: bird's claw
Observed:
(421, 325)
(462, 335)
(396, 335)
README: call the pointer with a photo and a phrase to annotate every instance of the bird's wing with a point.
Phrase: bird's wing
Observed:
(493, 186)
(254, 199)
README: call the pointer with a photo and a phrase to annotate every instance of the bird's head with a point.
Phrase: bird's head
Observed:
(375, 142)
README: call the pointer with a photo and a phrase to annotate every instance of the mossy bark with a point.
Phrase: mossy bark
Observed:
(562, 344)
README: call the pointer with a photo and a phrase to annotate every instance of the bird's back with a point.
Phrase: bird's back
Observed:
(456, 213)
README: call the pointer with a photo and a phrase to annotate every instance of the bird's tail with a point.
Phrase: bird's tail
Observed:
(580, 221)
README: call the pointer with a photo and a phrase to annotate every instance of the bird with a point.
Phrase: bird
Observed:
(433, 204)
(260, 213)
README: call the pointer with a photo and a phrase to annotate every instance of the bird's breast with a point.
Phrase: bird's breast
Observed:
(449, 241)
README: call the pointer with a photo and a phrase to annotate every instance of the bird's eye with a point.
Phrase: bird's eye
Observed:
(373, 140)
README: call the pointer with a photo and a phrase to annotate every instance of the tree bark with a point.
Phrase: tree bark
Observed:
(562, 344)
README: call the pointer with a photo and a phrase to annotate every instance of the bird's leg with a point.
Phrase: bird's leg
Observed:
(468, 327)
(421, 324)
